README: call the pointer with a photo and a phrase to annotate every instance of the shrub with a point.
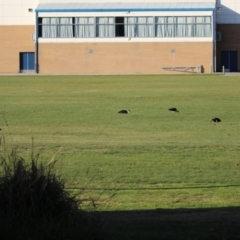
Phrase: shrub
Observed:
(35, 205)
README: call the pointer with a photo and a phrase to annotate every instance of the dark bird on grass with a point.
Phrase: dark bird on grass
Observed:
(124, 111)
(173, 110)
(216, 120)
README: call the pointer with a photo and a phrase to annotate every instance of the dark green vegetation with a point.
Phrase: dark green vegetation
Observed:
(35, 205)
(149, 159)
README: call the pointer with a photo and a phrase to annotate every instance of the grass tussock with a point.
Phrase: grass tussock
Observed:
(35, 205)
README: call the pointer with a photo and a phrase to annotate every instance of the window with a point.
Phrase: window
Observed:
(55, 27)
(65, 27)
(183, 27)
(105, 27)
(119, 27)
(84, 27)
(145, 27)
(129, 27)
(202, 26)
(165, 27)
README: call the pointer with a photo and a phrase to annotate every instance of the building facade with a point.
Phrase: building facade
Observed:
(112, 37)
(228, 35)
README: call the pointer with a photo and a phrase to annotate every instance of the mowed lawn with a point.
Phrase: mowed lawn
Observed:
(148, 159)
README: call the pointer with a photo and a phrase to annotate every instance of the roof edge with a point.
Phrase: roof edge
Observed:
(127, 9)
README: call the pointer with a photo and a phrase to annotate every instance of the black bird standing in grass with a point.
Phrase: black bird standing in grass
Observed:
(124, 111)
(216, 120)
(173, 110)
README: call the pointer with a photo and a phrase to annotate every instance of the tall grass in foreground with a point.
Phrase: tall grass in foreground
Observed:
(35, 205)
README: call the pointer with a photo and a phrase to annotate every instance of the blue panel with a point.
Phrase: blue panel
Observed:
(31, 61)
(26, 61)
(233, 61)
(229, 60)
(23, 61)
(225, 59)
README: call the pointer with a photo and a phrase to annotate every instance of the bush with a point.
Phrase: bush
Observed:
(35, 205)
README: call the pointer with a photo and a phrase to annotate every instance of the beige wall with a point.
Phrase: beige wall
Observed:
(122, 58)
(13, 40)
(230, 41)
(16, 12)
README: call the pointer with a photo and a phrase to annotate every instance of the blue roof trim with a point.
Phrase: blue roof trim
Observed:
(125, 7)
(126, 10)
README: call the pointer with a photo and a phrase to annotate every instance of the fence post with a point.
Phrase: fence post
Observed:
(199, 68)
(223, 69)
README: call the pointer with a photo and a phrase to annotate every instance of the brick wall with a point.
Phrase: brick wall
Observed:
(100, 58)
(122, 58)
(13, 40)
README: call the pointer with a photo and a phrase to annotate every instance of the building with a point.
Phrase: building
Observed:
(118, 37)
(228, 35)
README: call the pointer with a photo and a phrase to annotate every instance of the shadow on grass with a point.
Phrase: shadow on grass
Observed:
(34, 204)
(176, 224)
(154, 188)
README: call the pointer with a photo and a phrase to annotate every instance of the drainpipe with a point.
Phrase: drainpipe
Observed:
(36, 44)
(215, 40)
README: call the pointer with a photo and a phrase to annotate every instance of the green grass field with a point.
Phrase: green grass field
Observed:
(148, 160)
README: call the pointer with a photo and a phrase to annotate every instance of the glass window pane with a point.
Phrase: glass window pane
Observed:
(84, 27)
(65, 28)
(105, 27)
(49, 27)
